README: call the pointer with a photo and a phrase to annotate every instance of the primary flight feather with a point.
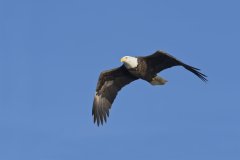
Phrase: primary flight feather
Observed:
(146, 68)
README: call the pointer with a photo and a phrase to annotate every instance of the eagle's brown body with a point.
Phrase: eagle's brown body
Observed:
(141, 71)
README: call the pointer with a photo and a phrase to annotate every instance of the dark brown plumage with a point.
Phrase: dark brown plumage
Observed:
(111, 81)
(161, 60)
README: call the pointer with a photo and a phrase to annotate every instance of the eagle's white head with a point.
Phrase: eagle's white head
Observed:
(129, 62)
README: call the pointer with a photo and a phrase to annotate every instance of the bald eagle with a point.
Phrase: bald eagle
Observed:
(146, 68)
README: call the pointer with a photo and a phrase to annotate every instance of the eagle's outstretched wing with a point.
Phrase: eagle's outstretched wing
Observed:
(109, 83)
(160, 60)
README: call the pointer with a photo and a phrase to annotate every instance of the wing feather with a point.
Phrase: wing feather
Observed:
(160, 60)
(109, 84)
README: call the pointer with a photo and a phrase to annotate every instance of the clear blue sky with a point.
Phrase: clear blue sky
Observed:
(51, 54)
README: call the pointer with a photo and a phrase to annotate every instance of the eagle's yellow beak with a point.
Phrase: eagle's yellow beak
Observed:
(122, 59)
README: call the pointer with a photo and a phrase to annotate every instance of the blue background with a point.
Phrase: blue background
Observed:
(51, 54)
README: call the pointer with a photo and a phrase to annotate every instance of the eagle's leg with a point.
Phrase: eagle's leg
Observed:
(158, 81)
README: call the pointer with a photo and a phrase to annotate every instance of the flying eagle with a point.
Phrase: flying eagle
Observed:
(146, 68)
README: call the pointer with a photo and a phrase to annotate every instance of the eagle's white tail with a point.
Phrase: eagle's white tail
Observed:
(158, 81)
